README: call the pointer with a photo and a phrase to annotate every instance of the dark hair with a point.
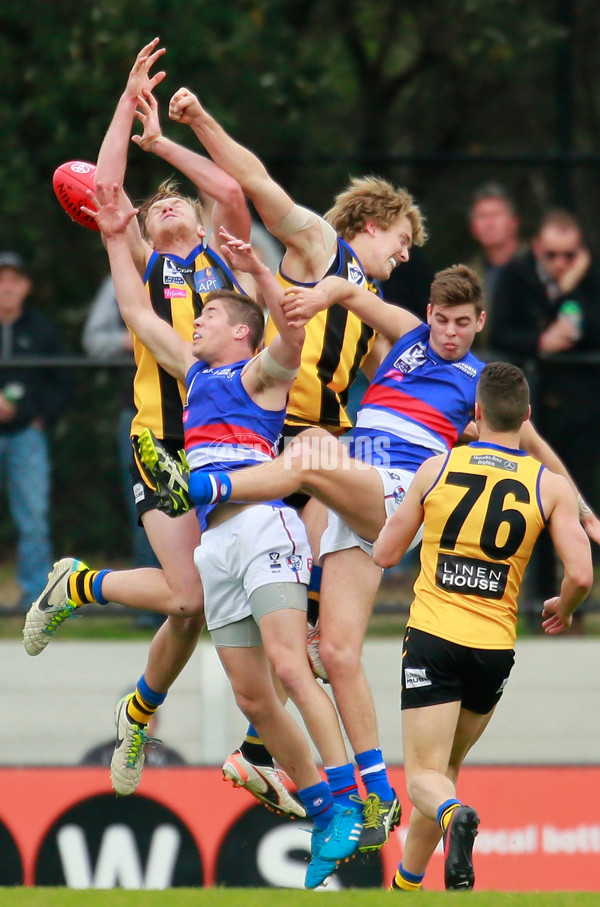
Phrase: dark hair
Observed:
(457, 285)
(241, 310)
(503, 394)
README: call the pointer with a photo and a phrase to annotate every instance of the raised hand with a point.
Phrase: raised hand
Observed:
(240, 254)
(140, 80)
(147, 114)
(184, 106)
(111, 220)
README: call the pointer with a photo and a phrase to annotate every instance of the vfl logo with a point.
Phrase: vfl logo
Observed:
(294, 562)
(275, 565)
(411, 358)
(356, 275)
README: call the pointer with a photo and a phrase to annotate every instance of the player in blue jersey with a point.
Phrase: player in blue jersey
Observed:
(254, 561)
(420, 403)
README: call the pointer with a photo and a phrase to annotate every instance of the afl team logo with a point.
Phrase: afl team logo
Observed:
(399, 494)
(294, 562)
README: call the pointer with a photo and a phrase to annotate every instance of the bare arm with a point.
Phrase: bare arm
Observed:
(285, 350)
(573, 548)
(401, 527)
(165, 344)
(112, 157)
(302, 303)
(230, 208)
(309, 246)
(534, 444)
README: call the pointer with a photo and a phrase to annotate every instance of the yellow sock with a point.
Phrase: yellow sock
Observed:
(406, 881)
(445, 814)
(139, 709)
(79, 587)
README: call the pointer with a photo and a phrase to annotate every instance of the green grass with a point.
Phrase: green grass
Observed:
(262, 897)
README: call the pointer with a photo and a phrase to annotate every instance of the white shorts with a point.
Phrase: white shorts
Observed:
(339, 536)
(258, 546)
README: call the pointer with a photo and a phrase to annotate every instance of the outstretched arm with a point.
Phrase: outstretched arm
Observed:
(112, 157)
(308, 239)
(230, 209)
(276, 370)
(534, 444)
(302, 303)
(157, 335)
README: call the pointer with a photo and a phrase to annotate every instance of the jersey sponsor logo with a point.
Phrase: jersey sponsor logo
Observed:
(206, 280)
(175, 293)
(171, 274)
(416, 677)
(469, 370)
(411, 358)
(470, 576)
(493, 460)
(294, 562)
(356, 275)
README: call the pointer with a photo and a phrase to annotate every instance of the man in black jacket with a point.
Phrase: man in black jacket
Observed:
(546, 318)
(30, 398)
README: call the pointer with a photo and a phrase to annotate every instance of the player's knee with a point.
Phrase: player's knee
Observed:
(338, 657)
(187, 628)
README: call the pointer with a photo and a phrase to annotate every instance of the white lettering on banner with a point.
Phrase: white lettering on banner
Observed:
(582, 839)
(119, 864)
(274, 862)
(531, 839)
(509, 840)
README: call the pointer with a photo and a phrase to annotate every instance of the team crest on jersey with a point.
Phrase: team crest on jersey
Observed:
(399, 494)
(356, 275)
(206, 280)
(411, 358)
(294, 562)
(171, 274)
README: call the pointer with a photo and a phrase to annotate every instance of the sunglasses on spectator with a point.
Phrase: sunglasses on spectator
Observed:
(568, 254)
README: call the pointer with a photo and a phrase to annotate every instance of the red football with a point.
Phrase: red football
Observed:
(70, 182)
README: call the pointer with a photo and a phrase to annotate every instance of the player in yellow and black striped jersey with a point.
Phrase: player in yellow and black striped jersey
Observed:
(336, 345)
(483, 506)
(368, 231)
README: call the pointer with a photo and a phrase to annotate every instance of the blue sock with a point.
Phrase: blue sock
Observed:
(209, 487)
(150, 695)
(314, 592)
(318, 803)
(252, 732)
(97, 587)
(373, 772)
(343, 784)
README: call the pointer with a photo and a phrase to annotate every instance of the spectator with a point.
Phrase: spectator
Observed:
(31, 398)
(106, 337)
(547, 315)
(494, 225)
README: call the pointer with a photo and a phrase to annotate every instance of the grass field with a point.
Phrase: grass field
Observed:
(261, 897)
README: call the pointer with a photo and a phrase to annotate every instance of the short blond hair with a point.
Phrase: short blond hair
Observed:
(169, 188)
(373, 198)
